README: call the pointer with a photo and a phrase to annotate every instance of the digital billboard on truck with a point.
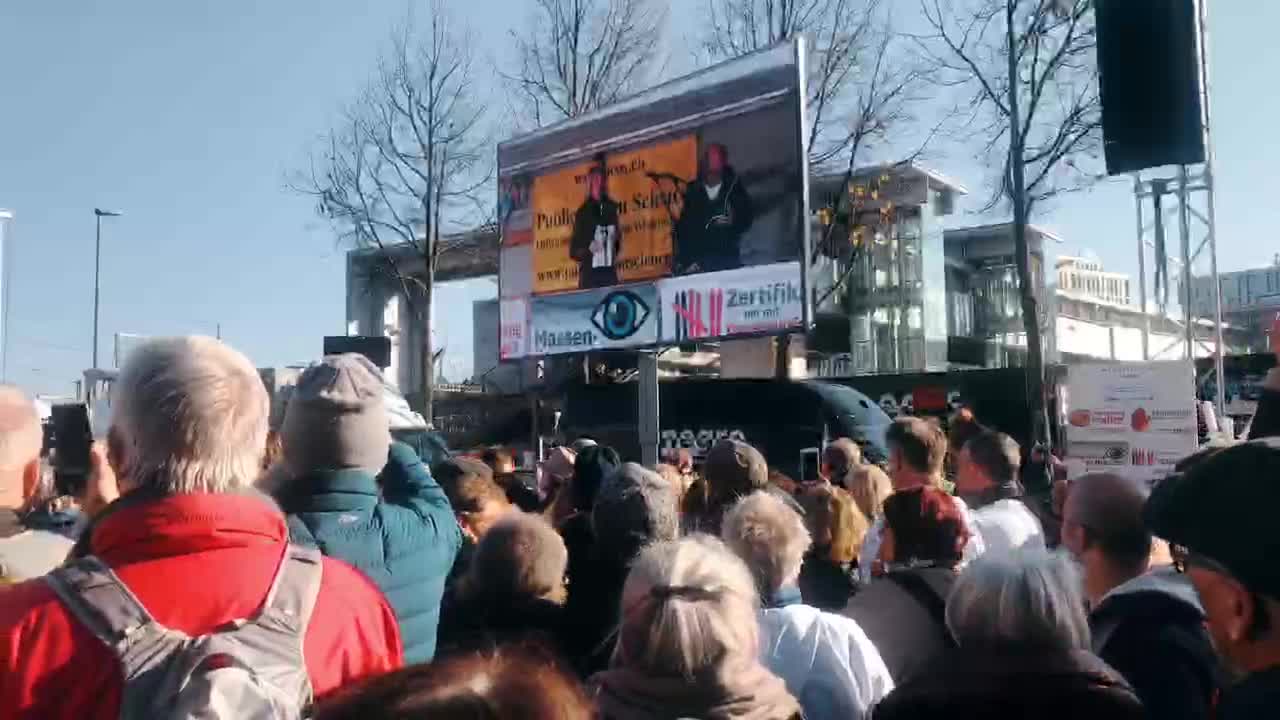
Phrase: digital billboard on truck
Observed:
(678, 214)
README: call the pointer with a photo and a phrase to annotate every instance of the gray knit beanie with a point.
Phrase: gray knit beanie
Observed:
(336, 419)
(635, 507)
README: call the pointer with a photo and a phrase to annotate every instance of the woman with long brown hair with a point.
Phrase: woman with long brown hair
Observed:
(829, 576)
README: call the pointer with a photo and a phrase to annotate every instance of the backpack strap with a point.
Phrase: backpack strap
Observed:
(95, 596)
(297, 584)
(920, 591)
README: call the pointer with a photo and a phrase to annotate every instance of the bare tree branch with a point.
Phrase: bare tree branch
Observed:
(1029, 69)
(1059, 107)
(577, 56)
(410, 160)
(862, 84)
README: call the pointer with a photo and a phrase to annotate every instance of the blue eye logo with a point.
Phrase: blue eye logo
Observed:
(620, 314)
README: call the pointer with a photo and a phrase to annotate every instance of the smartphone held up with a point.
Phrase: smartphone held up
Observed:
(71, 444)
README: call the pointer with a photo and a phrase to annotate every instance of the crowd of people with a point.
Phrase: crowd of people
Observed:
(209, 572)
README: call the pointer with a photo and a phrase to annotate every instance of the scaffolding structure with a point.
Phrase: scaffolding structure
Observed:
(1185, 199)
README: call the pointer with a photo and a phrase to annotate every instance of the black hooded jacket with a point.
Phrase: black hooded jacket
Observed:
(995, 686)
(1151, 630)
(1266, 420)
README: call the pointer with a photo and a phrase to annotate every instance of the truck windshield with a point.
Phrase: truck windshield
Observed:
(857, 417)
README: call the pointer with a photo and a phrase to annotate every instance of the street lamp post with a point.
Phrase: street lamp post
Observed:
(6, 273)
(98, 214)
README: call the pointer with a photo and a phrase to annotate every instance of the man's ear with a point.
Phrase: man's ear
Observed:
(30, 479)
(116, 454)
(1243, 610)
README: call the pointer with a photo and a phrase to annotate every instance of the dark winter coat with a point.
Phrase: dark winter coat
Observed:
(580, 541)
(1040, 685)
(1254, 698)
(701, 238)
(1266, 421)
(485, 624)
(1151, 630)
(825, 584)
(909, 633)
(404, 538)
(595, 599)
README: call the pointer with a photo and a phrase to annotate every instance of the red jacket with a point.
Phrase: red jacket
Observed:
(195, 562)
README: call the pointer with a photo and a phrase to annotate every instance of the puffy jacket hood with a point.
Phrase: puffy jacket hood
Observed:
(1162, 585)
(1160, 593)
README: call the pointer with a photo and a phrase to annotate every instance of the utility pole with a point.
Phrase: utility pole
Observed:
(6, 275)
(98, 214)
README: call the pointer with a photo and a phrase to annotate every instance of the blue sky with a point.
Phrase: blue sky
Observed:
(189, 116)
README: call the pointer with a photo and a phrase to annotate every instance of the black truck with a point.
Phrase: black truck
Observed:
(789, 421)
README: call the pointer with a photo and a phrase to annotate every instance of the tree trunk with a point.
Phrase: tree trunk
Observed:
(1031, 326)
(1026, 282)
(428, 348)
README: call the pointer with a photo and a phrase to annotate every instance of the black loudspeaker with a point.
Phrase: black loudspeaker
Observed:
(1150, 83)
(377, 349)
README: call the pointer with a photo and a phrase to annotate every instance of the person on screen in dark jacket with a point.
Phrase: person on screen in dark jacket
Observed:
(359, 497)
(717, 212)
(901, 610)
(1146, 623)
(1220, 510)
(597, 235)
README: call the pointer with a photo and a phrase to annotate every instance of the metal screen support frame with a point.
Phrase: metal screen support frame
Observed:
(1191, 187)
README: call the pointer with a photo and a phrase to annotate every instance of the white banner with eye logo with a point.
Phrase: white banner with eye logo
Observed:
(613, 318)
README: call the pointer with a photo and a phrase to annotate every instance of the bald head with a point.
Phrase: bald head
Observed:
(20, 436)
(20, 440)
(1107, 510)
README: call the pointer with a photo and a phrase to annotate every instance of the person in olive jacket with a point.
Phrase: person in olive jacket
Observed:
(363, 499)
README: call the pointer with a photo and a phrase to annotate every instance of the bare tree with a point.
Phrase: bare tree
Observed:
(1027, 72)
(409, 158)
(1042, 50)
(577, 56)
(860, 84)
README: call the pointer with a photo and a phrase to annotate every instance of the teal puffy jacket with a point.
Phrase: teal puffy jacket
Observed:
(404, 538)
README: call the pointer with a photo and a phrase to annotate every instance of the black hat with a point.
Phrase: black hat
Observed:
(734, 469)
(590, 468)
(1221, 505)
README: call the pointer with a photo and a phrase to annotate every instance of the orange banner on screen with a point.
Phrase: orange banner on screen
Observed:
(599, 224)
